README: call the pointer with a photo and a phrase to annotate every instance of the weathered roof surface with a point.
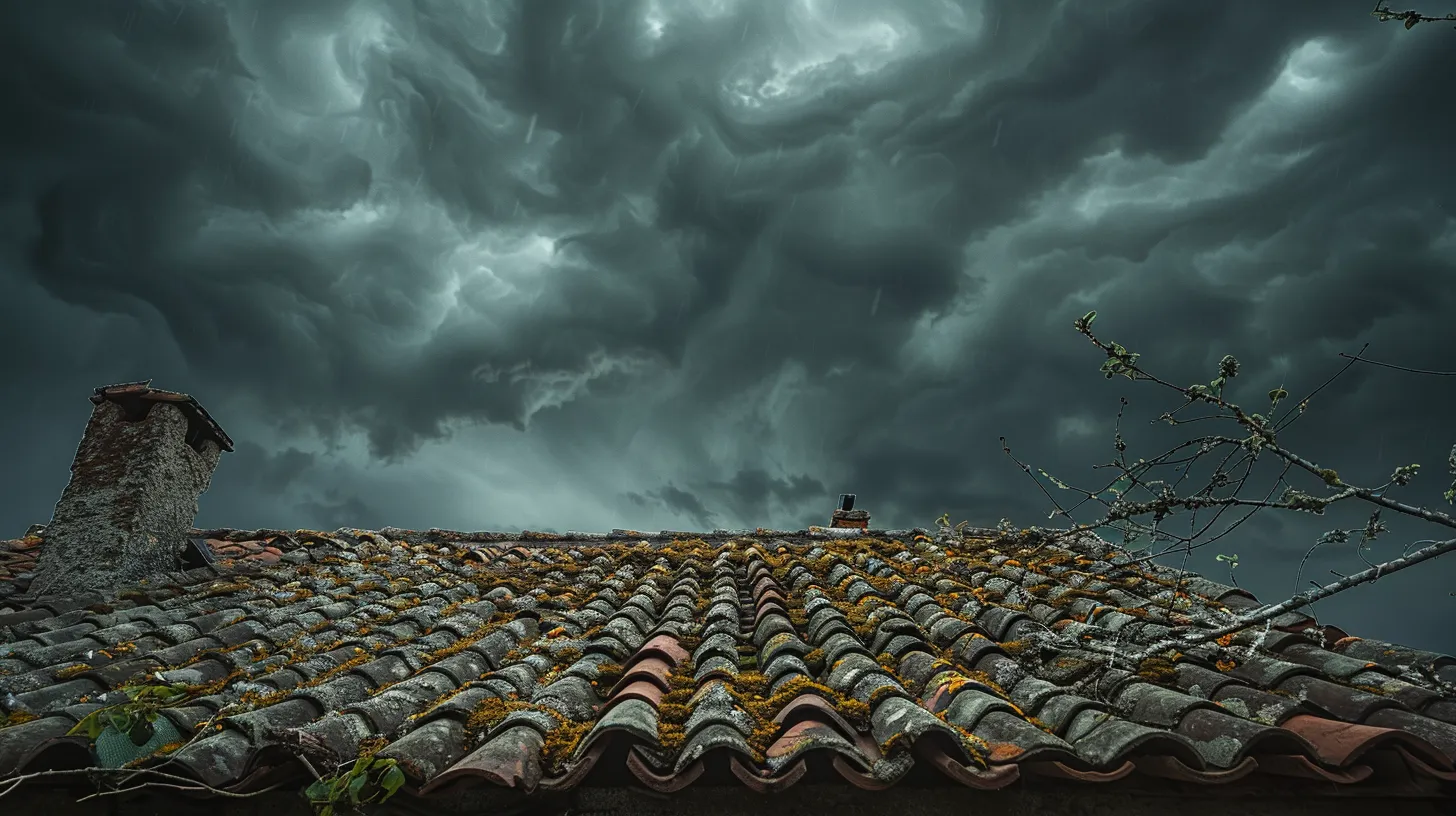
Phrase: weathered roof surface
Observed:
(540, 662)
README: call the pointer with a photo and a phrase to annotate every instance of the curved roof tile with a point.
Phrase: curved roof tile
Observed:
(520, 660)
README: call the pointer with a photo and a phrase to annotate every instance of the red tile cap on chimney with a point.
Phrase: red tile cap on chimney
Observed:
(140, 396)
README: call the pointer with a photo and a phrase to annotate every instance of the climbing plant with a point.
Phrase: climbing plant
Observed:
(367, 780)
(134, 718)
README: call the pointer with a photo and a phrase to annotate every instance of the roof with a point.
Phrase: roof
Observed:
(199, 422)
(537, 662)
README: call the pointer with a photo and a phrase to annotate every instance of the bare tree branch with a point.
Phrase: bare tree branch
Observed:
(1138, 493)
(1383, 13)
(1302, 599)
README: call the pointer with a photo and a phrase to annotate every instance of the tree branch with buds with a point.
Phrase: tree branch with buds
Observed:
(1143, 498)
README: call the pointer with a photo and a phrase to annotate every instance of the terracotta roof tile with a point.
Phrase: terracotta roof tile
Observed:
(536, 662)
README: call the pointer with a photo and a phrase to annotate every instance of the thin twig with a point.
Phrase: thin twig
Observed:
(192, 783)
(1358, 358)
(1298, 410)
(191, 788)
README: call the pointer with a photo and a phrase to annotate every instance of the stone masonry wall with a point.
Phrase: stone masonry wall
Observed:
(130, 502)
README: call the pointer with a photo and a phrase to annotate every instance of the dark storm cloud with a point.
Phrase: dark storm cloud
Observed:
(676, 500)
(581, 265)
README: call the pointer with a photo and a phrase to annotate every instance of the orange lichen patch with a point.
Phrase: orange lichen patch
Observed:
(1226, 640)
(1038, 723)
(489, 712)
(16, 718)
(561, 742)
(204, 689)
(857, 615)
(360, 658)
(71, 671)
(671, 736)
(985, 680)
(815, 661)
(1226, 665)
(1016, 647)
(858, 713)
(881, 693)
(897, 742)
(369, 746)
(749, 682)
(1158, 670)
(460, 645)
(161, 751)
(608, 674)
(223, 588)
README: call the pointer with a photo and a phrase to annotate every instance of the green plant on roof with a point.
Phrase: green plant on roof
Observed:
(133, 718)
(368, 780)
(944, 522)
(1233, 563)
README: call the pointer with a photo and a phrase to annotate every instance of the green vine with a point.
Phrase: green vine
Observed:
(379, 777)
(134, 717)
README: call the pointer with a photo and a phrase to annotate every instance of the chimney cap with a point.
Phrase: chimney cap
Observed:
(846, 501)
(131, 393)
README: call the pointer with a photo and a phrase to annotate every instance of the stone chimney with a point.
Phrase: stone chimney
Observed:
(847, 516)
(145, 458)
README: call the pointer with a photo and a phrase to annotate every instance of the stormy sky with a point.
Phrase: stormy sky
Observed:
(695, 265)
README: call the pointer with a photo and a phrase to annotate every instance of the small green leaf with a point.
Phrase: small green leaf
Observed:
(86, 724)
(392, 780)
(1278, 394)
(318, 791)
(356, 786)
(119, 721)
